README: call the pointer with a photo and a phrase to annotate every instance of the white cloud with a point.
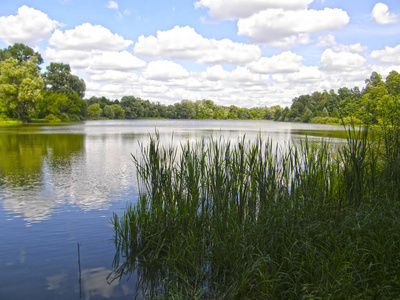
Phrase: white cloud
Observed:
(245, 77)
(96, 60)
(185, 43)
(76, 58)
(164, 70)
(381, 14)
(215, 73)
(330, 41)
(278, 27)
(343, 61)
(112, 5)
(28, 26)
(390, 55)
(106, 60)
(236, 9)
(89, 37)
(111, 76)
(304, 75)
(286, 62)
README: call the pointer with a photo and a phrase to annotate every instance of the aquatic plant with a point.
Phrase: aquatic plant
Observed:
(250, 220)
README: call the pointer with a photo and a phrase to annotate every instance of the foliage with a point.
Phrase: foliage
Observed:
(58, 79)
(20, 88)
(375, 104)
(222, 220)
(21, 53)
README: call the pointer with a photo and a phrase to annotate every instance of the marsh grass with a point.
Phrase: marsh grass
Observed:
(251, 220)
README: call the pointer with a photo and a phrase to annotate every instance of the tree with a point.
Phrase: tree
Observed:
(94, 111)
(21, 53)
(59, 79)
(119, 113)
(108, 112)
(393, 83)
(20, 88)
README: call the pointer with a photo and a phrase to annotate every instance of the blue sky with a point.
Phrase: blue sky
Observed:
(241, 52)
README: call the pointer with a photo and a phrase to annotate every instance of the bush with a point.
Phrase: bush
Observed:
(52, 118)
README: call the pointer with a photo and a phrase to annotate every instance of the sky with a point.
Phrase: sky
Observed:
(246, 53)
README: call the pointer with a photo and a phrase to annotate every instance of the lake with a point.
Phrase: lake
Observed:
(60, 184)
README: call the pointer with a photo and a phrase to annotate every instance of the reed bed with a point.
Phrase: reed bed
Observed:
(252, 220)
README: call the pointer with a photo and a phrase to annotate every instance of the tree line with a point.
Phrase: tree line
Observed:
(56, 94)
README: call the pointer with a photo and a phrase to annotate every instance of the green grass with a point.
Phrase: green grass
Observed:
(251, 220)
(5, 121)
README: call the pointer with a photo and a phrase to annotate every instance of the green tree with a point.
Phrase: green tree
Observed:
(20, 88)
(393, 83)
(58, 79)
(21, 53)
(108, 112)
(94, 111)
(119, 113)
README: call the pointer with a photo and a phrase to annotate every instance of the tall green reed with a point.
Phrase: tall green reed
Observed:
(241, 220)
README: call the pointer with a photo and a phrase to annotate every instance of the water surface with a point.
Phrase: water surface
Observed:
(59, 186)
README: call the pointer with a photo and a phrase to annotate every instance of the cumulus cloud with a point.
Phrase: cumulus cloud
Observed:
(277, 27)
(112, 76)
(215, 73)
(236, 9)
(343, 61)
(164, 70)
(107, 60)
(381, 14)
(28, 26)
(185, 43)
(304, 75)
(76, 58)
(89, 37)
(390, 55)
(286, 62)
(330, 41)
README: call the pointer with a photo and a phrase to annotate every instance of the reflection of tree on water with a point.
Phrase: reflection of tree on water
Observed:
(22, 154)
(23, 170)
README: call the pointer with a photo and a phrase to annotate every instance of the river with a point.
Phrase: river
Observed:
(59, 187)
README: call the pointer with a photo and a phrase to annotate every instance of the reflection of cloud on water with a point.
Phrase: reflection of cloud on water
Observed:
(94, 283)
(56, 282)
(34, 207)
(103, 174)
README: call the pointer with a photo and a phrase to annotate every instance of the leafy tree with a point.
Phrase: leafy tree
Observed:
(20, 88)
(94, 111)
(307, 115)
(108, 112)
(58, 79)
(21, 53)
(119, 113)
(393, 83)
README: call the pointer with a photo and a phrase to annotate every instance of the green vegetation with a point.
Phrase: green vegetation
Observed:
(222, 220)
(57, 95)
(26, 94)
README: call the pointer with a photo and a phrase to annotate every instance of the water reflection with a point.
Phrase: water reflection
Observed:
(64, 183)
(24, 169)
(40, 172)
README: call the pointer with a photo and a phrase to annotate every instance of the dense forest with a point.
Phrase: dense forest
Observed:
(27, 93)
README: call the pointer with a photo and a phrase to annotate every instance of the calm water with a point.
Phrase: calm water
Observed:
(59, 186)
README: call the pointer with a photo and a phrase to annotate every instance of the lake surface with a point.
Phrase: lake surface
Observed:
(59, 186)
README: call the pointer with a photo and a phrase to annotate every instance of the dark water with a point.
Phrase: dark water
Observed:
(59, 186)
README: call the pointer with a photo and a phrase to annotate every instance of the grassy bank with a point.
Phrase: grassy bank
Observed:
(251, 220)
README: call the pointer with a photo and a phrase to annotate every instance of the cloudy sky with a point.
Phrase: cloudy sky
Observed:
(242, 52)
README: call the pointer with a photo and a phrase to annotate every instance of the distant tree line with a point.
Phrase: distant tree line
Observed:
(374, 104)
(130, 107)
(57, 95)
